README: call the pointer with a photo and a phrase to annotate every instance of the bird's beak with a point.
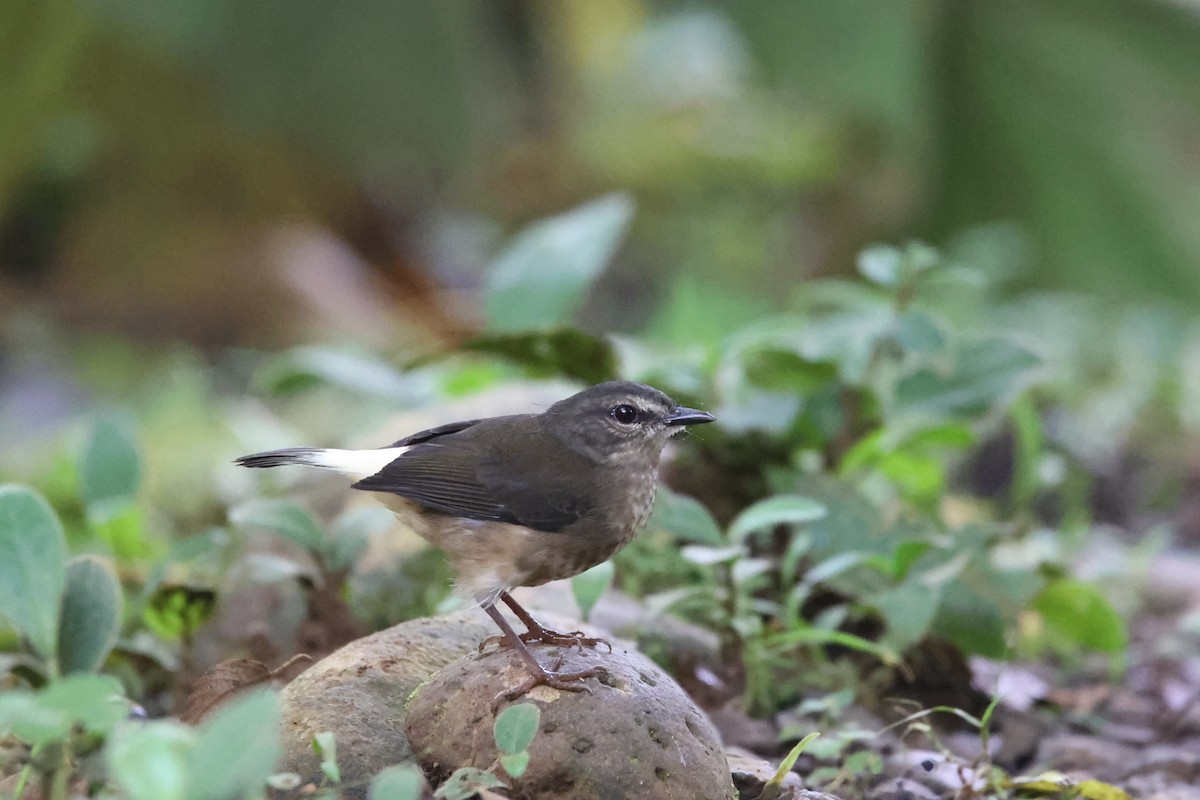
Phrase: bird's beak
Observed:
(688, 416)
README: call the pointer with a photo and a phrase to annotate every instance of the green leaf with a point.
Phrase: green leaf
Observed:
(705, 556)
(33, 553)
(325, 746)
(122, 530)
(109, 469)
(515, 764)
(880, 264)
(1078, 612)
(303, 367)
(783, 509)
(93, 701)
(774, 787)
(237, 749)
(908, 611)
(515, 727)
(684, 518)
(466, 783)
(284, 517)
(917, 333)
(984, 372)
(24, 718)
(401, 782)
(91, 614)
(543, 275)
(149, 760)
(562, 352)
(590, 585)
(174, 612)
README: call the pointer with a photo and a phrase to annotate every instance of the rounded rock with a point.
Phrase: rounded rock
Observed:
(635, 733)
(359, 693)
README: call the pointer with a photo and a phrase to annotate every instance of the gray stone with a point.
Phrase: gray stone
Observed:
(635, 734)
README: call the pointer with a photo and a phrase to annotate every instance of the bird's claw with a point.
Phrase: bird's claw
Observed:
(563, 681)
(577, 639)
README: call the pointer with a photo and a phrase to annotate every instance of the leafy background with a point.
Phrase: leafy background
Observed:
(932, 265)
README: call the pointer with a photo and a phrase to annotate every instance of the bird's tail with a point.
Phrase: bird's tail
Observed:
(357, 463)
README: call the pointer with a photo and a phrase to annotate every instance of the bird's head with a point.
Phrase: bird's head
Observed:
(619, 420)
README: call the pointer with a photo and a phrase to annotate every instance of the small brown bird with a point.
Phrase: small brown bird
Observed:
(525, 499)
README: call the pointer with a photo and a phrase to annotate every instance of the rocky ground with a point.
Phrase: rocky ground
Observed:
(421, 690)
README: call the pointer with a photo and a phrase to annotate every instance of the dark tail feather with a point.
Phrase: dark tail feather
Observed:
(279, 458)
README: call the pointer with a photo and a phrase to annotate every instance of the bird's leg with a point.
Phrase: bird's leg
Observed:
(537, 633)
(540, 676)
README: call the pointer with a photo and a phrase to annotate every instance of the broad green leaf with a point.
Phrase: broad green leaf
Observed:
(303, 367)
(91, 614)
(33, 553)
(93, 701)
(515, 727)
(283, 517)
(1078, 612)
(558, 352)
(237, 749)
(971, 621)
(778, 510)
(984, 372)
(684, 518)
(23, 717)
(401, 782)
(590, 585)
(908, 611)
(917, 333)
(543, 275)
(109, 468)
(149, 760)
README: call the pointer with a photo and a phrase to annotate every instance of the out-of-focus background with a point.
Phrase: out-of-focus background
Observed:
(222, 173)
(934, 264)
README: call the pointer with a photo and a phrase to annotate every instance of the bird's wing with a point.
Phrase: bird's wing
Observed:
(433, 433)
(477, 477)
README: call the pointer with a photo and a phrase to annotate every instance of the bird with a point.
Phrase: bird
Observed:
(523, 499)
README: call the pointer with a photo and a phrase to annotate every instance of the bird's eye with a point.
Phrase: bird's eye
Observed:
(626, 415)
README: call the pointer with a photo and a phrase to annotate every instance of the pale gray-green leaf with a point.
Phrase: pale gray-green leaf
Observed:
(543, 275)
(685, 518)
(149, 760)
(109, 468)
(983, 373)
(401, 782)
(784, 509)
(515, 727)
(283, 517)
(91, 614)
(33, 553)
(237, 749)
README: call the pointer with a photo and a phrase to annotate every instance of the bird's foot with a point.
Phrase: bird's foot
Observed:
(537, 633)
(564, 681)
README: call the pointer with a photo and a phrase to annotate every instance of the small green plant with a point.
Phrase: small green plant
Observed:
(513, 731)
